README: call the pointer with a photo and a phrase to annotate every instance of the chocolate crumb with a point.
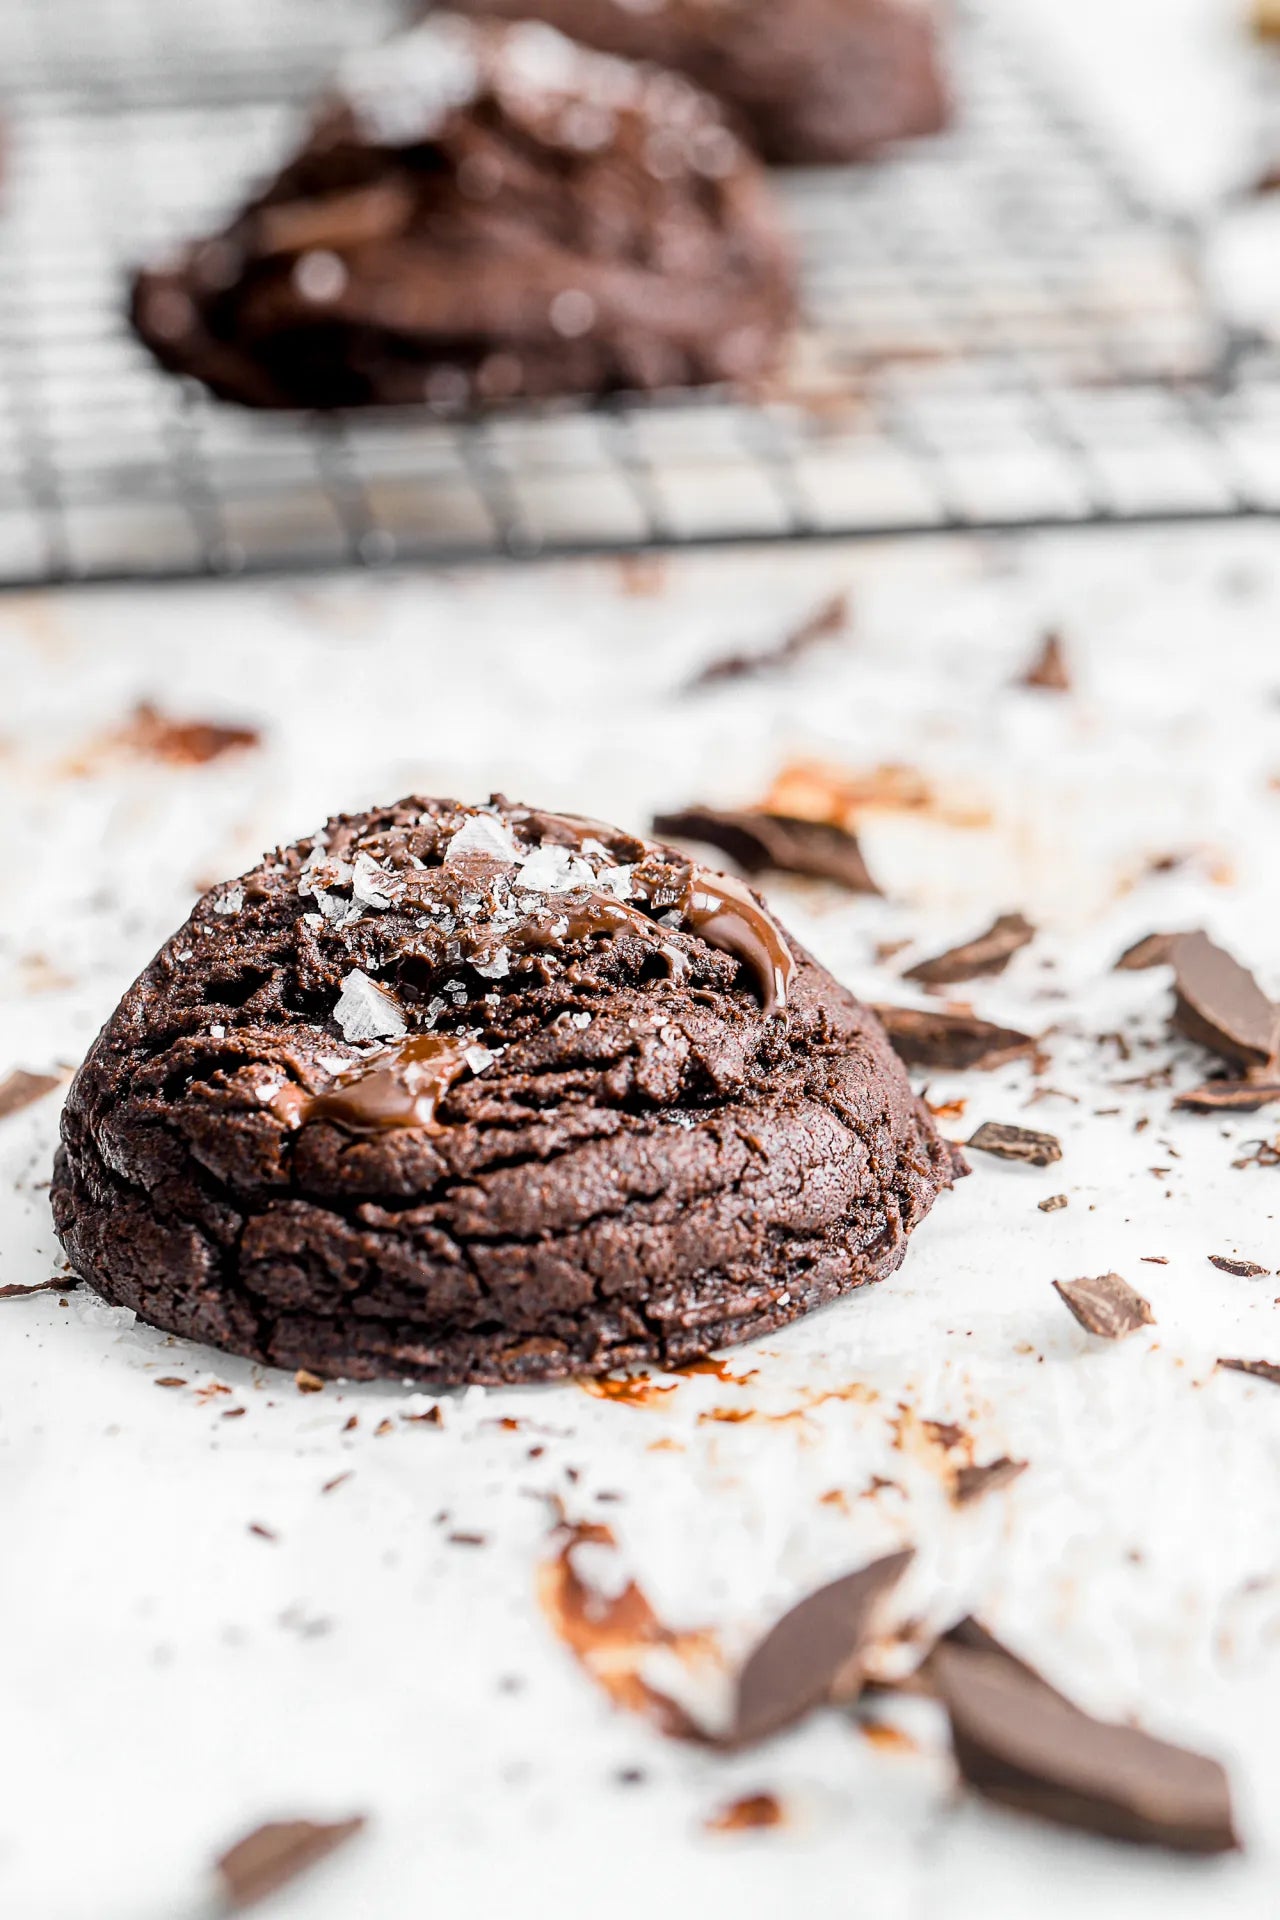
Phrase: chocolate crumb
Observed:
(1243, 1269)
(182, 743)
(262, 1533)
(759, 842)
(924, 1038)
(308, 1382)
(170, 1380)
(330, 1486)
(813, 1653)
(1258, 1369)
(1021, 1744)
(468, 1539)
(20, 1089)
(1054, 1204)
(273, 1855)
(972, 1482)
(753, 1810)
(987, 953)
(1016, 1143)
(1106, 1305)
(827, 620)
(1048, 670)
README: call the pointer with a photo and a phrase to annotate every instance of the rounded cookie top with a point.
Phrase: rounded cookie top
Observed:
(486, 1093)
(480, 212)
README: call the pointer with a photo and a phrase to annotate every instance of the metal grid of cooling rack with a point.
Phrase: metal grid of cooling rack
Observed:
(998, 335)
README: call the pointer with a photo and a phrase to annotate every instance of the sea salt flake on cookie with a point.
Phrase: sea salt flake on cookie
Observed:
(365, 1011)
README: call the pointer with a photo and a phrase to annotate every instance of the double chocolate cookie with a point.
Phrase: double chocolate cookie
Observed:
(808, 80)
(483, 1093)
(486, 212)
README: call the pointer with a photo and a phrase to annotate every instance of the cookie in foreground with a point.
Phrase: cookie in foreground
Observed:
(485, 212)
(490, 1094)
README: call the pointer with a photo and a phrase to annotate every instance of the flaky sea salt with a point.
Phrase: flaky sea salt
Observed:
(552, 869)
(497, 967)
(218, 1033)
(367, 1012)
(482, 838)
(231, 901)
(617, 881)
(371, 885)
(479, 1059)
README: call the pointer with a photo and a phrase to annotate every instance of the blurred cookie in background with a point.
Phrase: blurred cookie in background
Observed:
(811, 81)
(481, 212)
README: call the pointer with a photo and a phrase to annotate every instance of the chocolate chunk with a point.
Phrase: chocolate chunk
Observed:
(972, 1482)
(924, 1038)
(989, 952)
(1106, 1305)
(1229, 1096)
(830, 618)
(1018, 1743)
(1016, 1143)
(812, 1654)
(1053, 1204)
(1153, 950)
(758, 841)
(1258, 1369)
(1220, 1005)
(273, 1855)
(1243, 1269)
(20, 1089)
(1049, 668)
(17, 1292)
(970, 1636)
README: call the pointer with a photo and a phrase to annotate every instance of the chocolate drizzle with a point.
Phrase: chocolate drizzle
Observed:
(400, 1086)
(726, 914)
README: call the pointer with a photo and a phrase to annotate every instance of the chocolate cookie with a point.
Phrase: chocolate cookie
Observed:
(482, 212)
(809, 80)
(483, 1093)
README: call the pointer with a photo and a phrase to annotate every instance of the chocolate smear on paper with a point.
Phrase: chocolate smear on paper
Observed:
(1016, 1143)
(1019, 1744)
(988, 953)
(958, 1041)
(814, 1653)
(760, 841)
(1106, 1305)
(273, 1855)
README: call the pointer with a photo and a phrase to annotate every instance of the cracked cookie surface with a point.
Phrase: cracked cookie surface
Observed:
(461, 1093)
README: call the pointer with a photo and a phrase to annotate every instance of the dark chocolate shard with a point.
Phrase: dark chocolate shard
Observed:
(760, 841)
(20, 1089)
(1257, 1369)
(1229, 1096)
(988, 953)
(812, 1655)
(1018, 1743)
(17, 1292)
(1106, 1305)
(1016, 1143)
(970, 1636)
(1153, 950)
(972, 1482)
(924, 1038)
(1049, 668)
(1243, 1269)
(1220, 1005)
(826, 620)
(273, 1855)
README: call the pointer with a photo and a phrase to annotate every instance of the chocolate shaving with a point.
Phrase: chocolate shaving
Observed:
(823, 623)
(1016, 1143)
(1219, 1004)
(1019, 1743)
(1243, 1269)
(759, 841)
(1153, 950)
(1106, 1305)
(972, 1482)
(1257, 1369)
(988, 953)
(970, 1636)
(924, 1038)
(20, 1089)
(1049, 668)
(17, 1292)
(814, 1652)
(1229, 1096)
(273, 1855)
(1053, 1204)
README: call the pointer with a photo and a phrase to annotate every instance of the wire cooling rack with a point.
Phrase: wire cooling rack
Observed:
(998, 335)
